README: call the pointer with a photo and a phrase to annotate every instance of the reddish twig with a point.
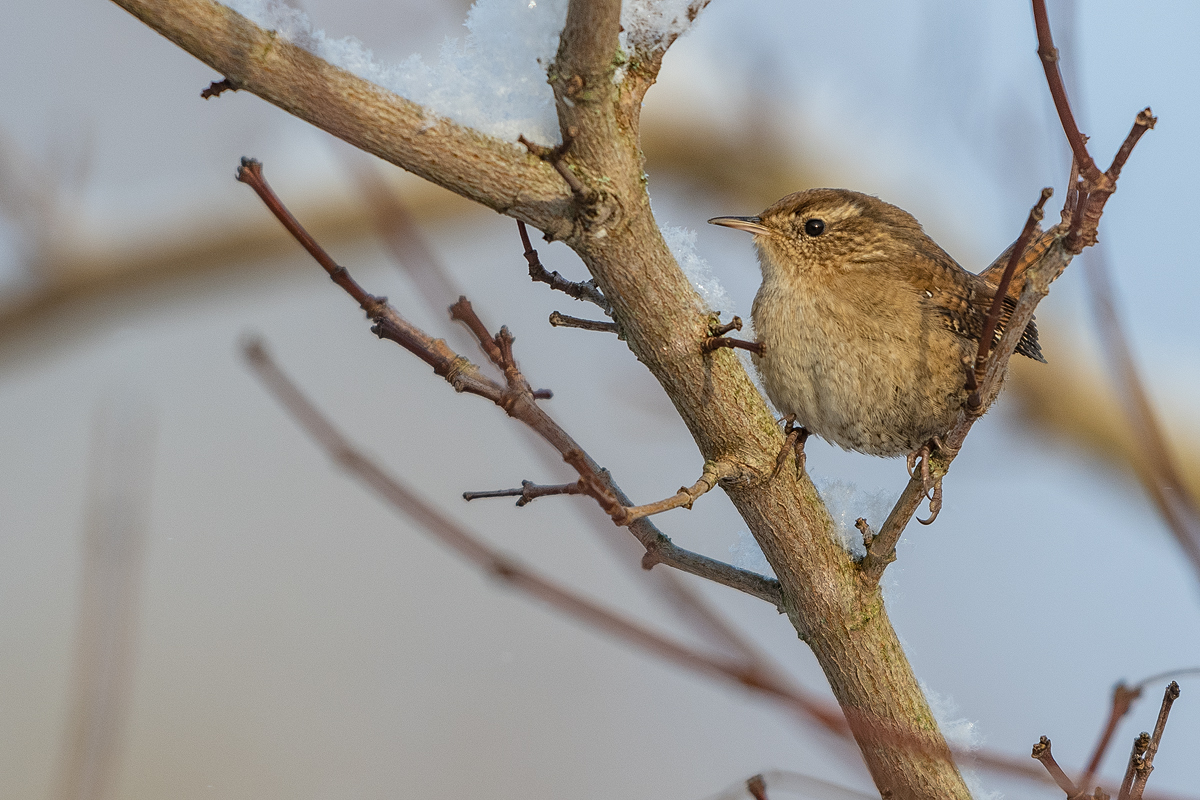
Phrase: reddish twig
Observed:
(520, 577)
(460, 372)
(1048, 54)
(580, 290)
(1094, 186)
(517, 575)
(1122, 700)
(1041, 751)
(1052, 251)
(1147, 765)
(717, 338)
(974, 403)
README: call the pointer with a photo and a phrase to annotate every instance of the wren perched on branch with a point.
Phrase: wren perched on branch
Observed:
(868, 327)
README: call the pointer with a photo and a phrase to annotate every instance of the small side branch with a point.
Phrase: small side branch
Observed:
(1093, 187)
(974, 402)
(1135, 763)
(581, 290)
(563, 321)
(554, 157)
(1041, 751)
(1147, 765)
(528, 492)
(717, 339)
(714, 472)
(461, 373)
(1048, 54)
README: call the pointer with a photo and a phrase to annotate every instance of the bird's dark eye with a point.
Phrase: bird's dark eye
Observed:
(814, 227)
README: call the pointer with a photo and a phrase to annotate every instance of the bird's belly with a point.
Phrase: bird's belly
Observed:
(883, 387)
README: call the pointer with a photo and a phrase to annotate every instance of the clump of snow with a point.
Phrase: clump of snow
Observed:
(846, 503)
(961, 733)
(493, 80)
(682, 244)
(653, 24)
(746, 554)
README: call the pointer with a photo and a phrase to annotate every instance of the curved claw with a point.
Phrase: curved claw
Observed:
(796, 436)
(935, 504)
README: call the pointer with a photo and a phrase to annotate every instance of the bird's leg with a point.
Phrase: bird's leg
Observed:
(919, 460)
(793, 443)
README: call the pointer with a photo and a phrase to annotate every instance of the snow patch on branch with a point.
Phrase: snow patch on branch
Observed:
(682, 244)
(493, 80)
(846, 502)
(746, 554)
(654, 24)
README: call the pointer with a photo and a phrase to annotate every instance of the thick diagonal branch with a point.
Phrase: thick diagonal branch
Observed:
(497, 174)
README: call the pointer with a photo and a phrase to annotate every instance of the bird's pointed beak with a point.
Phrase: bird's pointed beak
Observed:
(750, 224)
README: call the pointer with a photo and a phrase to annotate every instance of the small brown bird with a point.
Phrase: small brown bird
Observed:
(867, 325)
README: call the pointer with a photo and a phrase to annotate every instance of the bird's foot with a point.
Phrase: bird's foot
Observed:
(918, 463)
(794, 438)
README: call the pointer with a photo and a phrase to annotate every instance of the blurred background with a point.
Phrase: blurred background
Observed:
(197, 604)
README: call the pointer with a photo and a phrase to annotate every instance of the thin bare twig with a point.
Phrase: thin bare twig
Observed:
(713, 473)
(580, 290)
(1046, 258)
(974, 403)
(600, 326)
(528, 492)
(554, 156)
(717, 338)
(1135, 762)
(1041, 751)
(1048, 53)
(1147, 766)
(716, 342)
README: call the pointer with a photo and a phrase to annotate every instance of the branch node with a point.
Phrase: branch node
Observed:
(554, 157)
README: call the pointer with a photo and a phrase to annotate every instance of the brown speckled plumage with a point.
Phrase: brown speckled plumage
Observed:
(867, 325)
